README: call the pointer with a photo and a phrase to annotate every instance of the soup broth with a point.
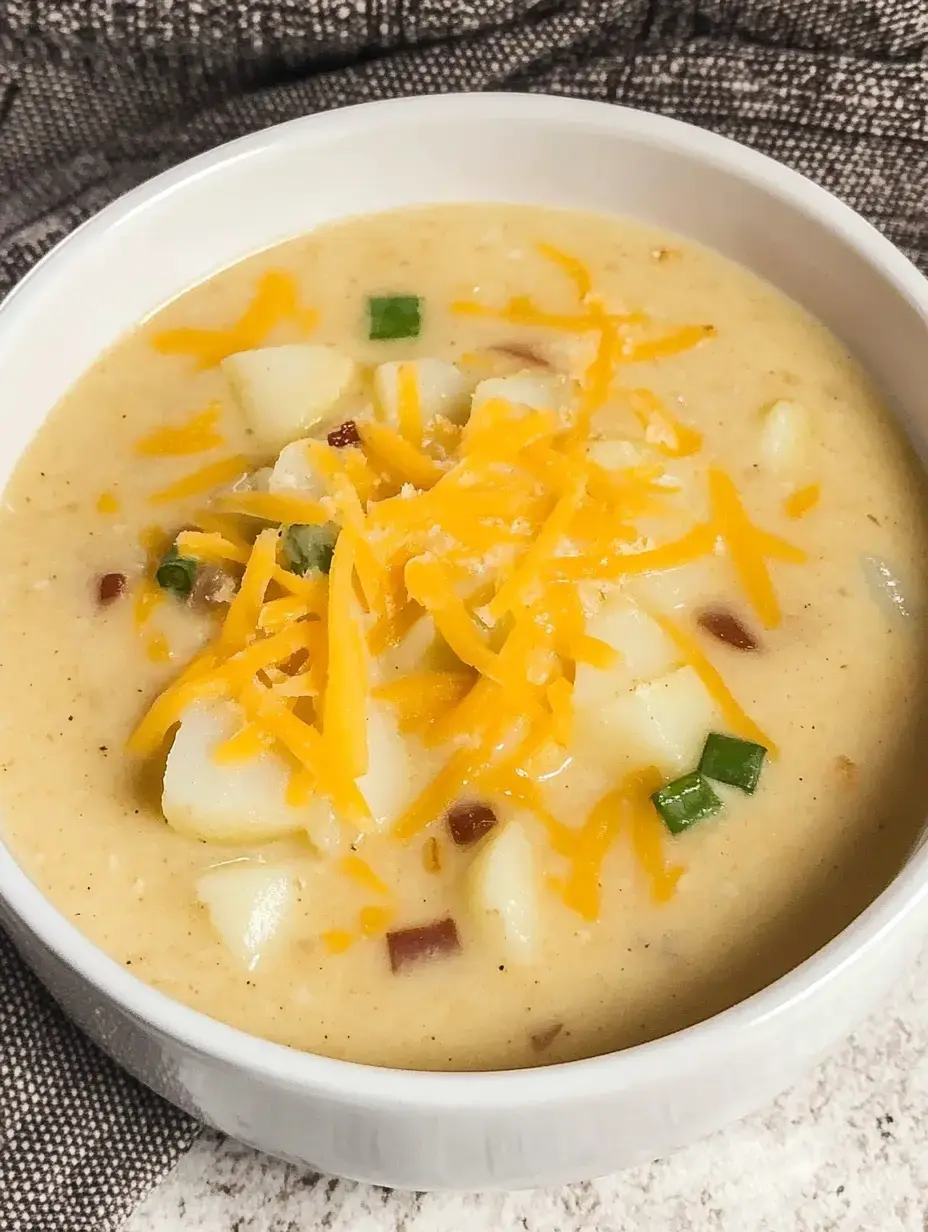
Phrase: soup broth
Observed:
(596, 571)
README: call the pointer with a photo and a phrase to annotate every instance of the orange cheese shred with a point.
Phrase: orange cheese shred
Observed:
(248, 742)
(675, 439)
(275, 507)
(338, 940)
(242, 617)
(198, 434)
(802, 501)
(693, 654)
(683, 339)
(404, 461)
(372, 921)
(409, 404)
(202, 545)
(344, 710)
(648, 834)
(275, 301)
(746, 547)
(361, 872)
(197, 682)
(203, 480)
(610, 566)
(422, 697)
(107, 502)
(528, 571)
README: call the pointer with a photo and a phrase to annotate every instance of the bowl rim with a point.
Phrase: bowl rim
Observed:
(587, 1078)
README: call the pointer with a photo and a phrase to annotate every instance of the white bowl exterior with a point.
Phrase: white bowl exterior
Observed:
(536, 1127)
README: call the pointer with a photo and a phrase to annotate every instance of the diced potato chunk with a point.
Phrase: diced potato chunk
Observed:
(644, 648)
(785, 437)
(618, 454)
(324, 829)
(413, 654)
(684, 588)
(284, 391)
(504, 890)
(248, 904)
(663, 723)
(241, 802)
(443, 390)
(294, 472)
(539, 391)
(390, 784)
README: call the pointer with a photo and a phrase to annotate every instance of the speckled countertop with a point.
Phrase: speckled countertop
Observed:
(845, 1150)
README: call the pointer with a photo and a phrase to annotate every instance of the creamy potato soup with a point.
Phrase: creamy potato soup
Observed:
(470, 637)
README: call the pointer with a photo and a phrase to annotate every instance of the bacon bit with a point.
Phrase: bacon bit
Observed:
(345, 434)
(470, 821)
(517, 350)
(407, 946)
(544, 1039)
(726, 626)
(431, 855)
(109, 588)
(847, 770)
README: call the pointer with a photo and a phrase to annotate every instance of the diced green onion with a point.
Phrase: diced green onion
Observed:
(394, 316)
(730, 760)
(685, 801)
(309, 548)
(176, 573)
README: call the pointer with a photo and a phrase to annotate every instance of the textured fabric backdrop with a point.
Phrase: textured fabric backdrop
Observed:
(98, 95)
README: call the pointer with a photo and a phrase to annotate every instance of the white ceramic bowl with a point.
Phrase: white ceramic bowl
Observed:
(465, 1131)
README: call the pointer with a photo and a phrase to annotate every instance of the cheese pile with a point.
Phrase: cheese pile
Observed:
(505, 532)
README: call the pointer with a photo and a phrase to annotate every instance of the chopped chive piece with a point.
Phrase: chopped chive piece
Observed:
(176, 573)
(309, 548)
(394, 316)
(730, 760)
(685, 801)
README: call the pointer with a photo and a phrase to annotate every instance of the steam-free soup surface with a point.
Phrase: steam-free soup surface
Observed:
(673, 394)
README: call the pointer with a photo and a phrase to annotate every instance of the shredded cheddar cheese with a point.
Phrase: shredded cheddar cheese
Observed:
(275, 507)
(213, 547)
(338, 940)
(198, 434)
(203, 480)
(409, 405)
(344, 713)
(505, 536)
(373, 920)
(422, 697)
(360, 871)
(275, 302)
(692, 653)
(245, 609)
(669, 435)
(158, 648)
(802, 501)
(746, 546)
(107, 502)
(400, 458)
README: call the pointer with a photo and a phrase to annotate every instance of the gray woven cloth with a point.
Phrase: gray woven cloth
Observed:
(98, 95)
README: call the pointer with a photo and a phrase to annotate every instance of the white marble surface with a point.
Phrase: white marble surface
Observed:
(847, 1150)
